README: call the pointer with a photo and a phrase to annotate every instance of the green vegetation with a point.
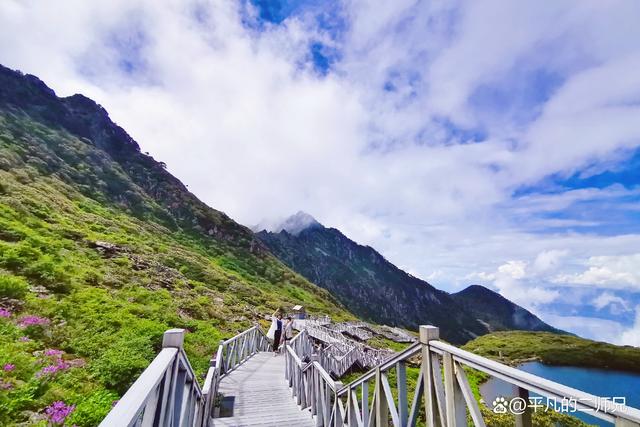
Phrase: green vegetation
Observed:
(94, 268)
(515, 347)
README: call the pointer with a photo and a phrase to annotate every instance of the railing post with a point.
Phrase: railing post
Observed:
(337, 418)
(365, 403)
(403, 408)
(456, 406)
(428, 333)
(524, 419)
(172, 338)
(382, 408)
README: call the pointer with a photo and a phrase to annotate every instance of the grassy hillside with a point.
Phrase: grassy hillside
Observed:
(101, 251)
(514, 347)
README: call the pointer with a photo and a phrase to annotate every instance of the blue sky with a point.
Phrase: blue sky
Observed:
(468, 141)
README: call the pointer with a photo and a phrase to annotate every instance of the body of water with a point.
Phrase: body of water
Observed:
(599, 382)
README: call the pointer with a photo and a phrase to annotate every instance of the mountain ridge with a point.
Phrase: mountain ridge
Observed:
(498, 312)
(329, 259)
(375, 289)
(102, 250)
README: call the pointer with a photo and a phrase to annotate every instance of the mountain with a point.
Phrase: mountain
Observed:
(497, 312)
(376, 290)
(102, 250)
(365, 282)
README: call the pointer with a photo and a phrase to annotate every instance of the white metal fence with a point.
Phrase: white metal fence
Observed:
(167, 392)
(448, 397)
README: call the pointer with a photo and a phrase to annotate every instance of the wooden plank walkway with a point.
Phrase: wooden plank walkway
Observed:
(262, 396)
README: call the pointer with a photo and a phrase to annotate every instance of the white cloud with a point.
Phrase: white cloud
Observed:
(631, 336)
(549, 260)
(598, 329)
(513, 281)
(616, 272)
(242, 118)
(615, 303)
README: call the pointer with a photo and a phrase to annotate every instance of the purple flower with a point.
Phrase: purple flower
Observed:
(24, 339)
(9, 367)
(53, 352)
(33, 321)
(51, 370)
(5, 385)
(58, 411)
(4, 312)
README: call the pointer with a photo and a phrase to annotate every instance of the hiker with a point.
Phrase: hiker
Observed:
(287, 333)
(275, 331)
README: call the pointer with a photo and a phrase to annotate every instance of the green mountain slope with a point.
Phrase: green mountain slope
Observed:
(497, 312)
(101, 250)
(513, 347)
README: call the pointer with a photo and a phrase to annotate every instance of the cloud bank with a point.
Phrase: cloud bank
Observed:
(478, 141)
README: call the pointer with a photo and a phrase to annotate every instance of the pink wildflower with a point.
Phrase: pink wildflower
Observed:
(4, 312)
(53, 352)
(24, 339)
(33, 321)
(5, 385)
(58, 411)
(51, 370)
(9, 367)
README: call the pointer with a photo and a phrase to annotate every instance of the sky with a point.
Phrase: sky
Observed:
(470, 142)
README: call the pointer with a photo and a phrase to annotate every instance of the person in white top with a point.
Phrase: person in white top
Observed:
(275, 331)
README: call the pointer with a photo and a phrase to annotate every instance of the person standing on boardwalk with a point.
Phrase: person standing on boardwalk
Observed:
(276, 327)
(287, 332)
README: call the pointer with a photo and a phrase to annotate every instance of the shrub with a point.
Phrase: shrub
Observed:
(123, 361)
(90, 411)
(52, 273)
(13, 286)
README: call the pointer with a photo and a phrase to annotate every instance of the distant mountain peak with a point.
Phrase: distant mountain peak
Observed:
(294, 224)
(298, 222)
(498, 312)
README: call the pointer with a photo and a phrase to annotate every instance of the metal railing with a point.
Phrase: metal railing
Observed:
(449, 396)
(367, 356)
(311, 385)
(167, 392)
(336, 362)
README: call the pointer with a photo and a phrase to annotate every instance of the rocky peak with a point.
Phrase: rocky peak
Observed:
(294, 224)
(299, 222)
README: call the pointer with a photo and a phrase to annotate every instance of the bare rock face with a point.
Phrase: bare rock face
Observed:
(106, 248)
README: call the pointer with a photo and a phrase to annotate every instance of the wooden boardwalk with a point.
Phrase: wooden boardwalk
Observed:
(262, 395)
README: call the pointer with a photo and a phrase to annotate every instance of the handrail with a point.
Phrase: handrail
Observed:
(367, 356)
(541, 386)
(402, 356)
(443, 393)
(167, 392)
(311, 386)
(231, 353)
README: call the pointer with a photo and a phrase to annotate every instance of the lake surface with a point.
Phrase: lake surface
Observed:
(599, 382)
